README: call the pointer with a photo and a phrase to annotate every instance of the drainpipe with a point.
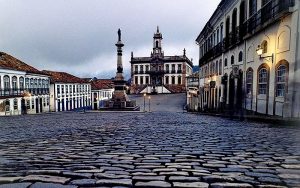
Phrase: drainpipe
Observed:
(296, 90)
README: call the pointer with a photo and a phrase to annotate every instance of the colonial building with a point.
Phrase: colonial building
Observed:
(23, 88)
(102, 90)
(68, 92)
(159, 73)
(249, 58)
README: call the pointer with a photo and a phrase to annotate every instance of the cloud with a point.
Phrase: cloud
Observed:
(78, 36)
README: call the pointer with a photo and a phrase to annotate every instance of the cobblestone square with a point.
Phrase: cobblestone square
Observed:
(158, 149)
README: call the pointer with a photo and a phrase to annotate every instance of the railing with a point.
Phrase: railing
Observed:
(266, 15)
(11, 92)
(20, 92)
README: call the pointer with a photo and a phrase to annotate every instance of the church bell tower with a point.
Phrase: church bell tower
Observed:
(157, 38)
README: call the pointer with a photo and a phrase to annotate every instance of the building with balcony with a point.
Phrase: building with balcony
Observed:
(192, 92)
(68, 92)
(102, 90)
(159, 73)
(249, 58)
(23, 88)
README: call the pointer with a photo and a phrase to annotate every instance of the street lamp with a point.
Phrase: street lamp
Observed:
(145, 102)
(149, 102)
(259, 51)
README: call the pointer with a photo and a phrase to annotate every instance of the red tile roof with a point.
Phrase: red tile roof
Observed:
(9, 62)
(63, 77)
(102, 84)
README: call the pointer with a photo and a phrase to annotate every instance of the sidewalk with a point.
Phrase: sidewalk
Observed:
(275, 120)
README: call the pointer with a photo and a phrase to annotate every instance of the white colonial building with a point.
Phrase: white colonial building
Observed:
(23, 89)
(159, 73)
(68, 92)
(102, 90)
(250, 58)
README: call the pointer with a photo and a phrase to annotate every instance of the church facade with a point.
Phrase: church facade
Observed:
(159, 73)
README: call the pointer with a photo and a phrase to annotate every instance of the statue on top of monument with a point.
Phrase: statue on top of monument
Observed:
(119, 34)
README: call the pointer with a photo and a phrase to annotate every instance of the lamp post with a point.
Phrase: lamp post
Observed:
(149, 102)
(259, 52)
(145, 102)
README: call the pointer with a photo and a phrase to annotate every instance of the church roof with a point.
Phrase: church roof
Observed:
(63, 77)
(9, 62)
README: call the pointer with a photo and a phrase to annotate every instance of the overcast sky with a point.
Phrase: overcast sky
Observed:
(78, 36)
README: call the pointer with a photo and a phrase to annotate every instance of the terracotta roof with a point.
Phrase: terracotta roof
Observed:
(9, 62)
(102, 84)
(63, 77)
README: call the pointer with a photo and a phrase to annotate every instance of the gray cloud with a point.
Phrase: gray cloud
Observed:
(78, 36)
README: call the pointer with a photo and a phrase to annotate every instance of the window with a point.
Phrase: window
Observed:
(281, 78)
(40, 83)
(147, 79)
(179, 80)
(213, 68)
(62, 89)
(43, 84)
(58, 89)
(240, 56)
(167, 79)
(232, 60)
(141, 80)
(136, 80)
(35, 84)
(70, 88)
(27, 83)
(141, 68)
(220, 67)
(21, 83)
(14, 83)
(173, 80)
(67, 89)
(28, 104)
(217, 68)
(262, 81)
(173, 67)
(252, 7)
(32, 104)
(249, 81)
(264, 46)
(136, 68)
(6, 82)
(147, 68)
(179, 67)
(31, 83)
(15, 104)
(225, 62)
(167, 68)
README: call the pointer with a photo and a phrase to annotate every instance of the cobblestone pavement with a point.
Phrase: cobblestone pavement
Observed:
(159, 149)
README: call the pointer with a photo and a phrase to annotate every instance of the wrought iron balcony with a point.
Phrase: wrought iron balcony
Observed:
(11, 92)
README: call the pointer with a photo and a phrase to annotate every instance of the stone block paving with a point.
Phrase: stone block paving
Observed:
(159, 149)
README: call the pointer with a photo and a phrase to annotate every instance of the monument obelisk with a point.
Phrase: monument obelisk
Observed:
(120, 100)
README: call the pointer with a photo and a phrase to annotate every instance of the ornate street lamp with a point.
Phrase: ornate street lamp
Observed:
(259, 51)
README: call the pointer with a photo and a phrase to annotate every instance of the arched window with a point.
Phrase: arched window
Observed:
(225, 62)
(220, 67)
(263, 76)
(21, 83)
(14, 83)
(6, 82)
(240, 56)
(281, 78)
(264, 46)
(232, 60)
(249, 81)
